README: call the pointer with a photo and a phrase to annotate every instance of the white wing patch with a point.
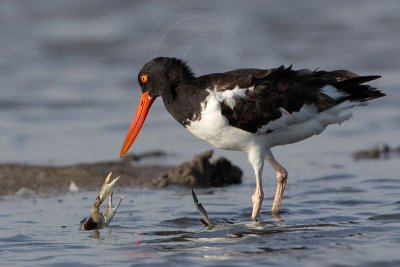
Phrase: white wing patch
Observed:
(306, 113)
(229, 97)
(333, 92)
(313, 126)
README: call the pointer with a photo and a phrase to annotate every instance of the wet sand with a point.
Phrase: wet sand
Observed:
(201, 171)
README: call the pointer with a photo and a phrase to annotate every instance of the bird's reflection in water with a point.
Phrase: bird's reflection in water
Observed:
(95, 234)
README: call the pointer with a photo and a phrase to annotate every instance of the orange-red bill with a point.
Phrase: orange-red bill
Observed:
(141, 113)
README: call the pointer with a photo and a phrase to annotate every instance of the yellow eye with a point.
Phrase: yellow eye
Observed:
(144, 78)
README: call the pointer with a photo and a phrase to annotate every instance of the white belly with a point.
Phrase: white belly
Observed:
(215, 129)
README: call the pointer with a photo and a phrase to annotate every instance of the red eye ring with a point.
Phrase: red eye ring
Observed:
(144, 78)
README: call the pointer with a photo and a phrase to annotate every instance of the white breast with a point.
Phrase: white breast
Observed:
(214, 128)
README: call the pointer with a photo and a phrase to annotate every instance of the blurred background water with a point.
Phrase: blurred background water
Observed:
(68, 68)
(69, 90)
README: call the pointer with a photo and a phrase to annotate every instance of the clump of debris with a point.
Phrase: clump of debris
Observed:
(382, 152)
(201, 172)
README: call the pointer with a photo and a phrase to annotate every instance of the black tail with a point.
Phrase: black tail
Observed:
(350, 83)
(358, 91)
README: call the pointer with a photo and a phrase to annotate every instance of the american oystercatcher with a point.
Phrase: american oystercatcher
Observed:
(251, 110)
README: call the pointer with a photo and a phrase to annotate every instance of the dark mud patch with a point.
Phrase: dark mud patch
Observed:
(383, 152)
(40, 179)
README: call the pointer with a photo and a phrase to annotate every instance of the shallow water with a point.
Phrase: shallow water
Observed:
(68, 90)
(356, 223)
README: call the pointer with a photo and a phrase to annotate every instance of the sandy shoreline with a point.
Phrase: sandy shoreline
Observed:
(41, 180)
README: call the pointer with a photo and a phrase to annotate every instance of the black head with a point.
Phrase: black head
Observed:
(163, 73)
(160, 75)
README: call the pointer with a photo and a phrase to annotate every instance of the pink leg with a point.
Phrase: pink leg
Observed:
(281, 178)
(257, 200)
(256, 159)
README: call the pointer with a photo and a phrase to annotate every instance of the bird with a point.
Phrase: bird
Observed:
(251, 110)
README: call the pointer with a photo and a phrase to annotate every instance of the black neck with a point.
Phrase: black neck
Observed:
(183, 101)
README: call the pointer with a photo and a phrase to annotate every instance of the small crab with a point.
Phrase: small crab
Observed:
(98, 220)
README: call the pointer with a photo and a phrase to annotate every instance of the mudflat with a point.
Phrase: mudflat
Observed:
(40, 179)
